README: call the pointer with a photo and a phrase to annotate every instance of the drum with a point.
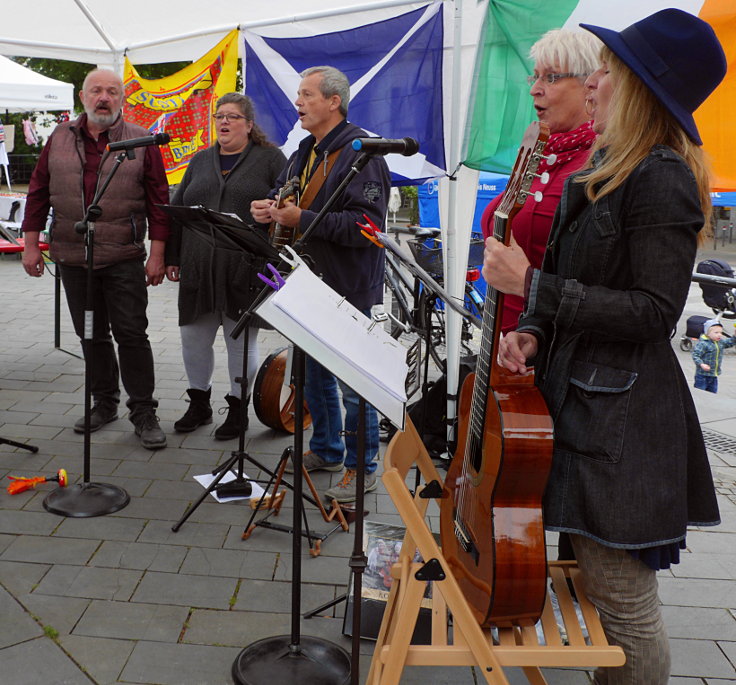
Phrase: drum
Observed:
(272, 400)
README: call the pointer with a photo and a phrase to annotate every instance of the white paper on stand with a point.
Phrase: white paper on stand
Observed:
(341, 338)
(205, 480)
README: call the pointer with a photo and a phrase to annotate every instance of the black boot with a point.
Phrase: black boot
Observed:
(231, 428)
(199, 412)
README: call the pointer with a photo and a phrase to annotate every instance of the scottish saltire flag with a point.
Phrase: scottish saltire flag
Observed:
(501, 107)
(395, 72)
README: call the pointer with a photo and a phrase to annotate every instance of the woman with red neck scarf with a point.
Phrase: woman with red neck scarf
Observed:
(562, 61)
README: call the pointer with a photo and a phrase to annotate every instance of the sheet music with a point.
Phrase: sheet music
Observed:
(332, 331)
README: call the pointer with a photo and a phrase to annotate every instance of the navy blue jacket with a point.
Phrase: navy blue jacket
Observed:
(348, 262)
(630, 467)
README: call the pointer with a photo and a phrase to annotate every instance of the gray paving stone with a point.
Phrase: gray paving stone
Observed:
(697, 623)
(61, 613)
(99, 527)
(50, 664)
(16, 624)
(701, 658)
(20, 578)
(180, 664)
(729, 649)
(49, 550)
(697, 592)
(102, 659)
(185, 590)
(19, 523)
(275, 597)
(132, 621)
(91, 583)
(234, 628)
(230, 563)
(191, 534)
(140, 556)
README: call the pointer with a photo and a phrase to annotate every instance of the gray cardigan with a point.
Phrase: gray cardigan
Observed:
(214, 278)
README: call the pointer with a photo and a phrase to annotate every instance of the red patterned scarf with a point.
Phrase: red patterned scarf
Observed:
(567, 144)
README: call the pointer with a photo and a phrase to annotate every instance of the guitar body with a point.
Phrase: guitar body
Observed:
(503, 572)
(491, 526)
(273, 401)
(285, 235)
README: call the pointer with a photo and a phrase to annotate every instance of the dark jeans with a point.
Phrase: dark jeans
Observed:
(703, 382)
(119, 305)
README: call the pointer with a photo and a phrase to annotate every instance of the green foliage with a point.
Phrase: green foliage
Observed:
(51, 632)
(409, 195)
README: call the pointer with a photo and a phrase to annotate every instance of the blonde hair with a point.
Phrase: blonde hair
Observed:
(637, 121)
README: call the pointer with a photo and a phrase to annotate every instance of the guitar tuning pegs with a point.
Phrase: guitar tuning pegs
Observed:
(538, 196)
(543, 177)
(550, 159)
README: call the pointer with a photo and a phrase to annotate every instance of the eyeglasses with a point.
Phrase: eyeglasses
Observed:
(228, 117)
(551, 79)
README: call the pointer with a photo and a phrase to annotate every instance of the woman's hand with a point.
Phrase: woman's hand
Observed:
(504, 267)
(515, 348)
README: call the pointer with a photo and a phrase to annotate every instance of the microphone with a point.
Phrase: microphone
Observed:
(154, 139)
(387, 146)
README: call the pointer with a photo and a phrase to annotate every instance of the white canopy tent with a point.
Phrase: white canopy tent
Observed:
(24, 90)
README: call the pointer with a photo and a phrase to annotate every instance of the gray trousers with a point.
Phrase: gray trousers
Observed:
(624, 590)
(197, 341)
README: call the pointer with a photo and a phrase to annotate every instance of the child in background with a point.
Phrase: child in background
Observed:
(707, 355)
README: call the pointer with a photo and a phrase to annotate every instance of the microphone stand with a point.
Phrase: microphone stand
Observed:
(295, 658)
(90, 499)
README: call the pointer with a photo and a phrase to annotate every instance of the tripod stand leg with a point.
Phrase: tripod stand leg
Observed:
(236, 456)
(20, 445)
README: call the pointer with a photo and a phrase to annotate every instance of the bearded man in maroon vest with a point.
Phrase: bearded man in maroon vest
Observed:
(73, 164)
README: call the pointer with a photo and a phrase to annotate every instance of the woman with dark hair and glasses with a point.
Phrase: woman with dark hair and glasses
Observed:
(630, 471)
(216, 285)
(562, 61)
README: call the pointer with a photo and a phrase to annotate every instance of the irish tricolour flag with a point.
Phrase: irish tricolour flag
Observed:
(501, 107)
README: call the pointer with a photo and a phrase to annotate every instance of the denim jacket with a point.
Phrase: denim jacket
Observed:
(629, 468)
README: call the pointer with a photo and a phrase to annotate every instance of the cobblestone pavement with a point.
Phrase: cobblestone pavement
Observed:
(124, 599)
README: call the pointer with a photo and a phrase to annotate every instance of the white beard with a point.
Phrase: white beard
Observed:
(103, 120)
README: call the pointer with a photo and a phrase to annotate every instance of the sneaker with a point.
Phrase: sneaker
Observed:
(345, 490)
(313, 462)
(150, 433)
(99, 415)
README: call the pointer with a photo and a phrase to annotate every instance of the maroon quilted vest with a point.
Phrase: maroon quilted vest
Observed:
(121, 228)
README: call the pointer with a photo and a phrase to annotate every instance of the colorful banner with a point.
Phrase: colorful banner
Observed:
(501, 107)
(182, 104)
(395, 73)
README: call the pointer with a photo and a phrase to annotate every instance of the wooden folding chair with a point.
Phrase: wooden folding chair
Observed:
(466, 643)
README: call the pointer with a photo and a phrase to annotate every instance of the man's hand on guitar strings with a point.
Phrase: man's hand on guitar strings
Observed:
(504, 267)
(515, 348)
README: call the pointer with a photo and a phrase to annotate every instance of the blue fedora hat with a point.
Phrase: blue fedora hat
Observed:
(676, 55)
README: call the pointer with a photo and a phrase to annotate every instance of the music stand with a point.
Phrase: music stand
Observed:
(294, 658)
(230, 232)
(90, 499)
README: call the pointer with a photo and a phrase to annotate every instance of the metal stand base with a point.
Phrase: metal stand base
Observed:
(86, 499)
(313, 661)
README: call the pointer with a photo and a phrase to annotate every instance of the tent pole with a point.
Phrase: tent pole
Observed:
(453, 262)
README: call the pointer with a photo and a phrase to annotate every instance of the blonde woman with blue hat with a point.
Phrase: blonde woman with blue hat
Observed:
(630, 471)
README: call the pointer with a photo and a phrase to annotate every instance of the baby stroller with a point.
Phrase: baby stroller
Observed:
(720, 297)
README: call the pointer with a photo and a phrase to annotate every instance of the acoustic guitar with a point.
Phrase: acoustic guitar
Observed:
(491, 526)
(274, 396)
(284, 235)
